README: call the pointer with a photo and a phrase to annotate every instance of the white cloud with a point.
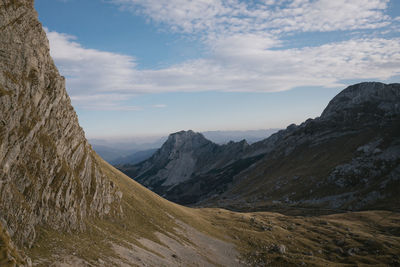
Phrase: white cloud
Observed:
(245, 50)
(94, 70)
(242, 62)
(245, 47)
(236, 16)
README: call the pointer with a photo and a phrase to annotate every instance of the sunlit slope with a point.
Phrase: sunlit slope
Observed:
(333, 175)
(154, 231)
(151, 231)
(48, 176)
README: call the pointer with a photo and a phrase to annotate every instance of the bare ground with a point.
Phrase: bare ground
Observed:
(197, 250)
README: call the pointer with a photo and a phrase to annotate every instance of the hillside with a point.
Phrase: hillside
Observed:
(49, 175)
(59, 201)
(62, 205)
(155, 232)
(347, 159)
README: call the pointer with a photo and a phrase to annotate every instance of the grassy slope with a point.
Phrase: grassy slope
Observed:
(311, 165)
(9, 255)
(320, 240)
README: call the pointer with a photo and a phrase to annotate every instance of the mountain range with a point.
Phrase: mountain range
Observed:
(133, 150)
(346, 159)
(63, 205)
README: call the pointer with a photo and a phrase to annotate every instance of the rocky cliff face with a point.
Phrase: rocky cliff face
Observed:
(346, 159)
(48, 173)
(363, 100)
(179, 157)
(173, 170)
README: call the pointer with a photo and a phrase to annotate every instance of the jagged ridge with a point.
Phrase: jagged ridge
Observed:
(363, 115)
(182, 158)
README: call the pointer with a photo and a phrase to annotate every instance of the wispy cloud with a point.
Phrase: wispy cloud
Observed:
(245, 64)
(159, 106)
(90, 70)
(233, 16)
(111, 107)
(109, 101)
(246, 51)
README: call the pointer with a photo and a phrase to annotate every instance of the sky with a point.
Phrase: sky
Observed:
(153, 67)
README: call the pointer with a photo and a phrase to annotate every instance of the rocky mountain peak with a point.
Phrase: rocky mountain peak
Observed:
(361, 115)
(364, 98)
(185, 141)
(179, 163)
(49, 174)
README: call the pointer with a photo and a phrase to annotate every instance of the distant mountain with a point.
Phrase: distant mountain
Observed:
(119, 151)
(109, 154)
(251, 136)
(182, 157)
(130, 144)
(135, 157)
(346, 159)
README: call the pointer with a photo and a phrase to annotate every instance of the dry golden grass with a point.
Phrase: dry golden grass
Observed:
(364, 238)
(369, 238)
(9, 256)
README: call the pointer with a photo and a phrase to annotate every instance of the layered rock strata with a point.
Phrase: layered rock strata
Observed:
(48, 172)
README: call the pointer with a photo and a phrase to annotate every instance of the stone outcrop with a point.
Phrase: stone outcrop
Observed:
(48, 172)
(362, 100)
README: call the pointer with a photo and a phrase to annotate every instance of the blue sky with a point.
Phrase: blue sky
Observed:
(152, 67)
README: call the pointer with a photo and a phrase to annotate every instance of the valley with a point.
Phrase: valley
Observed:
(154, 231)
(322, 193)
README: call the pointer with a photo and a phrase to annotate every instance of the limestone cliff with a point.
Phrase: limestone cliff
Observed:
(48, 172)
(176, 170)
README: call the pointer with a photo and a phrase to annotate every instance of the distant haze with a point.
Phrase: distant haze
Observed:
(113, 149)
(251, 136)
